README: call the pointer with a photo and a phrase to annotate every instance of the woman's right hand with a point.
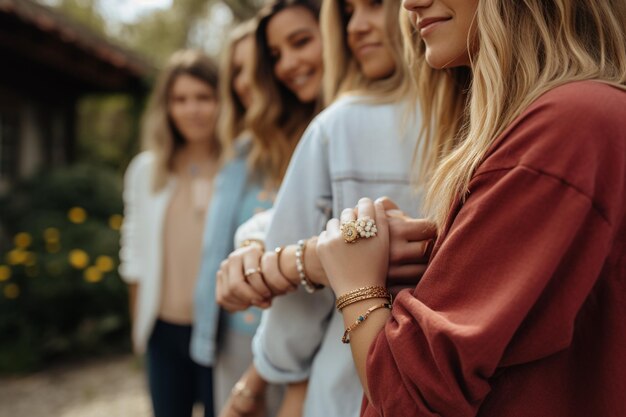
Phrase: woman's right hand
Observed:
(235, 291)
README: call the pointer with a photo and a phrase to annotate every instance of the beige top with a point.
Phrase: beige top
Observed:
(182, 247)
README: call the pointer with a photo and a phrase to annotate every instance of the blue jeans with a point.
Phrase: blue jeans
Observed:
(176, 382)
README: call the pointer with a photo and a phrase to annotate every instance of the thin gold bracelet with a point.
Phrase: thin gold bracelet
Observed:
(363, 298)
(361, 319)
(346, 299)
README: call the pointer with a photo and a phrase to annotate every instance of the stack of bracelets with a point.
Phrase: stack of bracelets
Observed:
(360, 294)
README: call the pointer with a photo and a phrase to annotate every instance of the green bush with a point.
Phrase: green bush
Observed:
(60, 292)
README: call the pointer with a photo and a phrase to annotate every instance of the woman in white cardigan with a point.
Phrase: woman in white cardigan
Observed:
(166, 194)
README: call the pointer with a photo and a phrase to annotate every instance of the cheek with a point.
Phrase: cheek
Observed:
(174, 112)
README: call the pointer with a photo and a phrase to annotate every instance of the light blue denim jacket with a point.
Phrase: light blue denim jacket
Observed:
(236, 198)
(351, 150)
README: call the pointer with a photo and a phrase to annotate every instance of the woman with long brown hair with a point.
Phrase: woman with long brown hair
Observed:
(361, 144)
(284, 85)
(167, 190)
(520, 311)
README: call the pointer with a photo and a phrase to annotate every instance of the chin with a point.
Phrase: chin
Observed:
(307, 96)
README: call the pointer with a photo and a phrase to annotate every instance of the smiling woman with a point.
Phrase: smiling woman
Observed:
(287, 81)
(293, 38)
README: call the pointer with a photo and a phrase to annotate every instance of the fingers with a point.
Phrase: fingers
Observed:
(274, 279)
(237, 284)
(405, 252)
(224, 298)
(387, 203)
(365, 208)
(348, 215)
(421, 229)
(252, 262)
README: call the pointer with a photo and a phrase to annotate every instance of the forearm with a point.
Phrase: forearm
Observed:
(293, 400)
(312, 265)
(361, 337)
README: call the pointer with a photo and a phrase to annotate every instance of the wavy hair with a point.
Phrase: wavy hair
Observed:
(158, 132)
(231, 122)
(276, 117)
(522, 50)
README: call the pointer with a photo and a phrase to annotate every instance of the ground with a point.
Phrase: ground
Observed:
(111, 387)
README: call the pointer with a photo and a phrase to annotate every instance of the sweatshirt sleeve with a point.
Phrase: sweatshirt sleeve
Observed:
(493, 295)
(254, 228)
(130, 266)
(293, 328)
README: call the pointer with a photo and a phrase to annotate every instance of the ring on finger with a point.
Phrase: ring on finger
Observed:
(349, 232)
(251, 271)
(366, 227)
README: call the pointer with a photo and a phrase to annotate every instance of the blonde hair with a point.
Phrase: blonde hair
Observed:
(232, 111)
(341, 69)
(158, 132)
(523, 49)
(276, 117)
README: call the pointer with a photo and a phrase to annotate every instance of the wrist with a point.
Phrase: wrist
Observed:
(250, 386)
(288, 264)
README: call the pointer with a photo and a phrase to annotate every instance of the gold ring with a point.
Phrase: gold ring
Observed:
(251, 271)
(349, 232)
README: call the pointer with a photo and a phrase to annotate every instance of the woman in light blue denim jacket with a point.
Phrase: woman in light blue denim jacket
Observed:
(361, 146)
(247, 184)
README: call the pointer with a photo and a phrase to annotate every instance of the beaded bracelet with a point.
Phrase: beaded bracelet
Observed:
(308, 285)
(346, 335)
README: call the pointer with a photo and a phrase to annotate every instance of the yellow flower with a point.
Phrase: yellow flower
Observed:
(53, 247)
(5, 272)
(23, 240)
(115, 222)
(92, 274)
(51, 234)
(77, 215)
(11, 291)
(16, 257)
(78, 258)
(104, 263)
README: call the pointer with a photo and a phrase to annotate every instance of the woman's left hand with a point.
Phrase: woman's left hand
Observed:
(361, 263)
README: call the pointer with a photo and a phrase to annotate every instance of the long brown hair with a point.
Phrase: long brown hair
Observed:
(158, 132)
(276, 117)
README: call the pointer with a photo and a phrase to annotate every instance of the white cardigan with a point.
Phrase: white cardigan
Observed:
(141, 254)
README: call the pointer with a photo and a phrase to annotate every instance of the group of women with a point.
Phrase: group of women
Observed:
(439, 184)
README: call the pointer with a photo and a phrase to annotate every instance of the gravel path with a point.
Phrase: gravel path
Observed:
(112, 387)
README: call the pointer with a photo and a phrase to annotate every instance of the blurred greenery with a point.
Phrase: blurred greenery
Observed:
(60, 293)
(107, 130)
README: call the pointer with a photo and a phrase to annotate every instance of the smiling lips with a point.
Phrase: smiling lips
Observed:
(367, 47)
(427, 25)
(301, 80)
